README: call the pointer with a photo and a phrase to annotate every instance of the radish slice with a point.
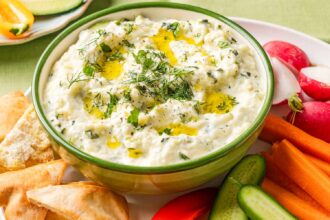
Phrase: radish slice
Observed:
(314, 119)
(286, 84)
(315, 81)
(291, 55)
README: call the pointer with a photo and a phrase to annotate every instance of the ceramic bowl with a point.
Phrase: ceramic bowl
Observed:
(160, 179)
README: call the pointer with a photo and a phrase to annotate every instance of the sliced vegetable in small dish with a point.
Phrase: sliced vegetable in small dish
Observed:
(15, 19)
(42, 25)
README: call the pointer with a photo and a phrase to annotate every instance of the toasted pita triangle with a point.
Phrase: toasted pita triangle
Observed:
(14, 184)
(53, 216)
(12, 108)
(83, 201)
(26, 144)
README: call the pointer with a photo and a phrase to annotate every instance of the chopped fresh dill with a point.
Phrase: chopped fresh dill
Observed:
(223, 44)
(120, 21)
(166, 131)
(159, 79)
(197, 107)
(115, 56)
(128, 28)
(77, 77)
(174, 27)
(92, 135)
(127, 94)
(105, 48)
(183, 156)
(133, 118)
(90, 69)
(111, 105)
(128, 44)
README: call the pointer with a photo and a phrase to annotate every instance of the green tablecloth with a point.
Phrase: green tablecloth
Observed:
(17, 63)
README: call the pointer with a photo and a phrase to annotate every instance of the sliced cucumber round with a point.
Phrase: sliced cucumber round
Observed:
(49, 7)
(258, 205)
(250, 170)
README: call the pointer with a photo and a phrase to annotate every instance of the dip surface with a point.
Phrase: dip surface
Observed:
(152, 93)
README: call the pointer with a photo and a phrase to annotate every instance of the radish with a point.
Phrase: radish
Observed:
(291, 55)
(315, 81)
(286, 84)
(312, 117)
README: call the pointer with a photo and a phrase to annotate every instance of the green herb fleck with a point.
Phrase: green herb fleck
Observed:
(120, 21)
(174, 27)
(166, 131)
(91, 134)
(89, 69)
(127, 94)
(159, 79)
(128, 44)
(111, 105)
(128, 28)
(105, 48)
(183, 156)
(223, 44)
(115, 56)
(133, 118)
(77, 77)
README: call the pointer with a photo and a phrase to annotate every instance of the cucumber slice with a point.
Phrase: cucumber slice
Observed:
(49, 7)
(250, 170)
(258, 205)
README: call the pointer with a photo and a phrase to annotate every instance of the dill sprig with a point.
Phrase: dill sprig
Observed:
(77, 77)
(159, 79)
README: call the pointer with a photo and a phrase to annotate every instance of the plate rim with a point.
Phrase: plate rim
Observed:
(278, 26)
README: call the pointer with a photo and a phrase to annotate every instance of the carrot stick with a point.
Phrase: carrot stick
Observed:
(294, 204)
(320, 164)
(276, 129)
(303, 172)
(276, 175)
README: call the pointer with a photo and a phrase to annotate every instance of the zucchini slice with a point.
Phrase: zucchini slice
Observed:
(258, 205)
(250, 170)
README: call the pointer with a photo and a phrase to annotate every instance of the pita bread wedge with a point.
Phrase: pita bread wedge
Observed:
(53, 216)
(83, 201)
(14, 184)
(12, 107)
(26, 144)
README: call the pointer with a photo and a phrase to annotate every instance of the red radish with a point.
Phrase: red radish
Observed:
(313, 118)
(286, 83)
(315, 81)
(291, 55)
(305, 97)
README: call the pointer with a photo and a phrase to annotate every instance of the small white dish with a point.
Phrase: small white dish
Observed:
(44, 25)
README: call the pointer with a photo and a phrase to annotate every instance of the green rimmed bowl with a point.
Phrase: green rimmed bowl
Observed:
(160, 179)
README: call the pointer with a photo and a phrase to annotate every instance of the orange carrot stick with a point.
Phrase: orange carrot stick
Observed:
(303, 172)
(276, 175)
(294, 204)
(320, 164)
(276, 129)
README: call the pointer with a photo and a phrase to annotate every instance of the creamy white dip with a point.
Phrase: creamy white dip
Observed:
(152, 93)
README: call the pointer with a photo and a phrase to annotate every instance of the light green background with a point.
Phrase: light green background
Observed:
(17, 63)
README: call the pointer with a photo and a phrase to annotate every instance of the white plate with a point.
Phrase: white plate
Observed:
(44, 25)
(143, 207)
